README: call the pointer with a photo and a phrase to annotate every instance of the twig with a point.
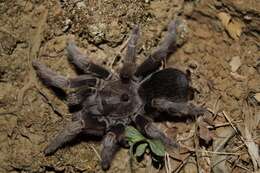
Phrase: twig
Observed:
(167, 163)
(95, 151)
(240, 166)
(178, 169)
(222, 124)
(196, 142)
(215, 107)
(238, 148)
(221, 153)
(222, 145)
(47, 100)
(119, 52)
(214, 152)
(190, 135)
(235, 163)
(230, 122)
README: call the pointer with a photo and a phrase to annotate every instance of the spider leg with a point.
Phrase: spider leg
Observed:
(67, 134)
(167, 46)
(129, 65)
(148, 128)
(53, 79)
(81, 61)
(178, 109)
(110, 145)
(82, 123)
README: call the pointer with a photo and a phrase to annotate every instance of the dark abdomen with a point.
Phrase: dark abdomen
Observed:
(168, 83)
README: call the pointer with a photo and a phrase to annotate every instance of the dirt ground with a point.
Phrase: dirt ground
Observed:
(222, 52)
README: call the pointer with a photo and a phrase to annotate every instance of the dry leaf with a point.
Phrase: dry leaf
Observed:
(257, 97)
(233, 27)
(204, 132)
(252, 149)
(235, 63)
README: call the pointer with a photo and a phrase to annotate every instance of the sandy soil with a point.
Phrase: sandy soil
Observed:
(222, 52)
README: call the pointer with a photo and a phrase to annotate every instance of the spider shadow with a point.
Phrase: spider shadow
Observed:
(62, 95)
(157, 161)
(162, 117)
(82, 138)
(165, 116)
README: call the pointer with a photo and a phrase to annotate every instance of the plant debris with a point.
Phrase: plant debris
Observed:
(136, 139)
(233, 26)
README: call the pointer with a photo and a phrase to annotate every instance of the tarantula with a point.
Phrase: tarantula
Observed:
(108, 102)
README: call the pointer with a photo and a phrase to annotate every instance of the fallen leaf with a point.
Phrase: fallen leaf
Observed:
(257, 97)
(204, 132)
(252, 149)
(233, 27)
(235, 63)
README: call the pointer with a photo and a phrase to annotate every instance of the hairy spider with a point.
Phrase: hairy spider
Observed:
(108, 102)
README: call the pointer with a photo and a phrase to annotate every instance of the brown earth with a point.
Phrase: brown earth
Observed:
(222, 52)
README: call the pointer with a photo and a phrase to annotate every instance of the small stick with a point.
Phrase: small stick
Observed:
(230, 122)
(95, 151)
(178, 169)
(167, 163)
(196, 142)
(47, 100)
(222, 124)
(119, 52)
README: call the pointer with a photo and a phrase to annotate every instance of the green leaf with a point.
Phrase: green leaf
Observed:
(157, 147)
(133, 135)
(140, 149)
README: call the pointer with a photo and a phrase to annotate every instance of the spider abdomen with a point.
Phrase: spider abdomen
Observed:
(170, 83)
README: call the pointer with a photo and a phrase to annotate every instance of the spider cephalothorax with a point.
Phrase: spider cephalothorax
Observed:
(106, 102)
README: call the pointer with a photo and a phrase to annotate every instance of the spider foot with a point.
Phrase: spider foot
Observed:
(149, 129)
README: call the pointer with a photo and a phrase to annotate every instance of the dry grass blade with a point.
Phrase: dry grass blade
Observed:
(95, 151)
(178, 169)
(252, 149)
(167, 163)
(47, 100)
(196, 142)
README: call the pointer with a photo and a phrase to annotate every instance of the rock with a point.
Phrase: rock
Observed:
(183, 31)
(97, 33)
(188, 48)
(81, 5)
(235, 63)
(193, 64)
(188, 8)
